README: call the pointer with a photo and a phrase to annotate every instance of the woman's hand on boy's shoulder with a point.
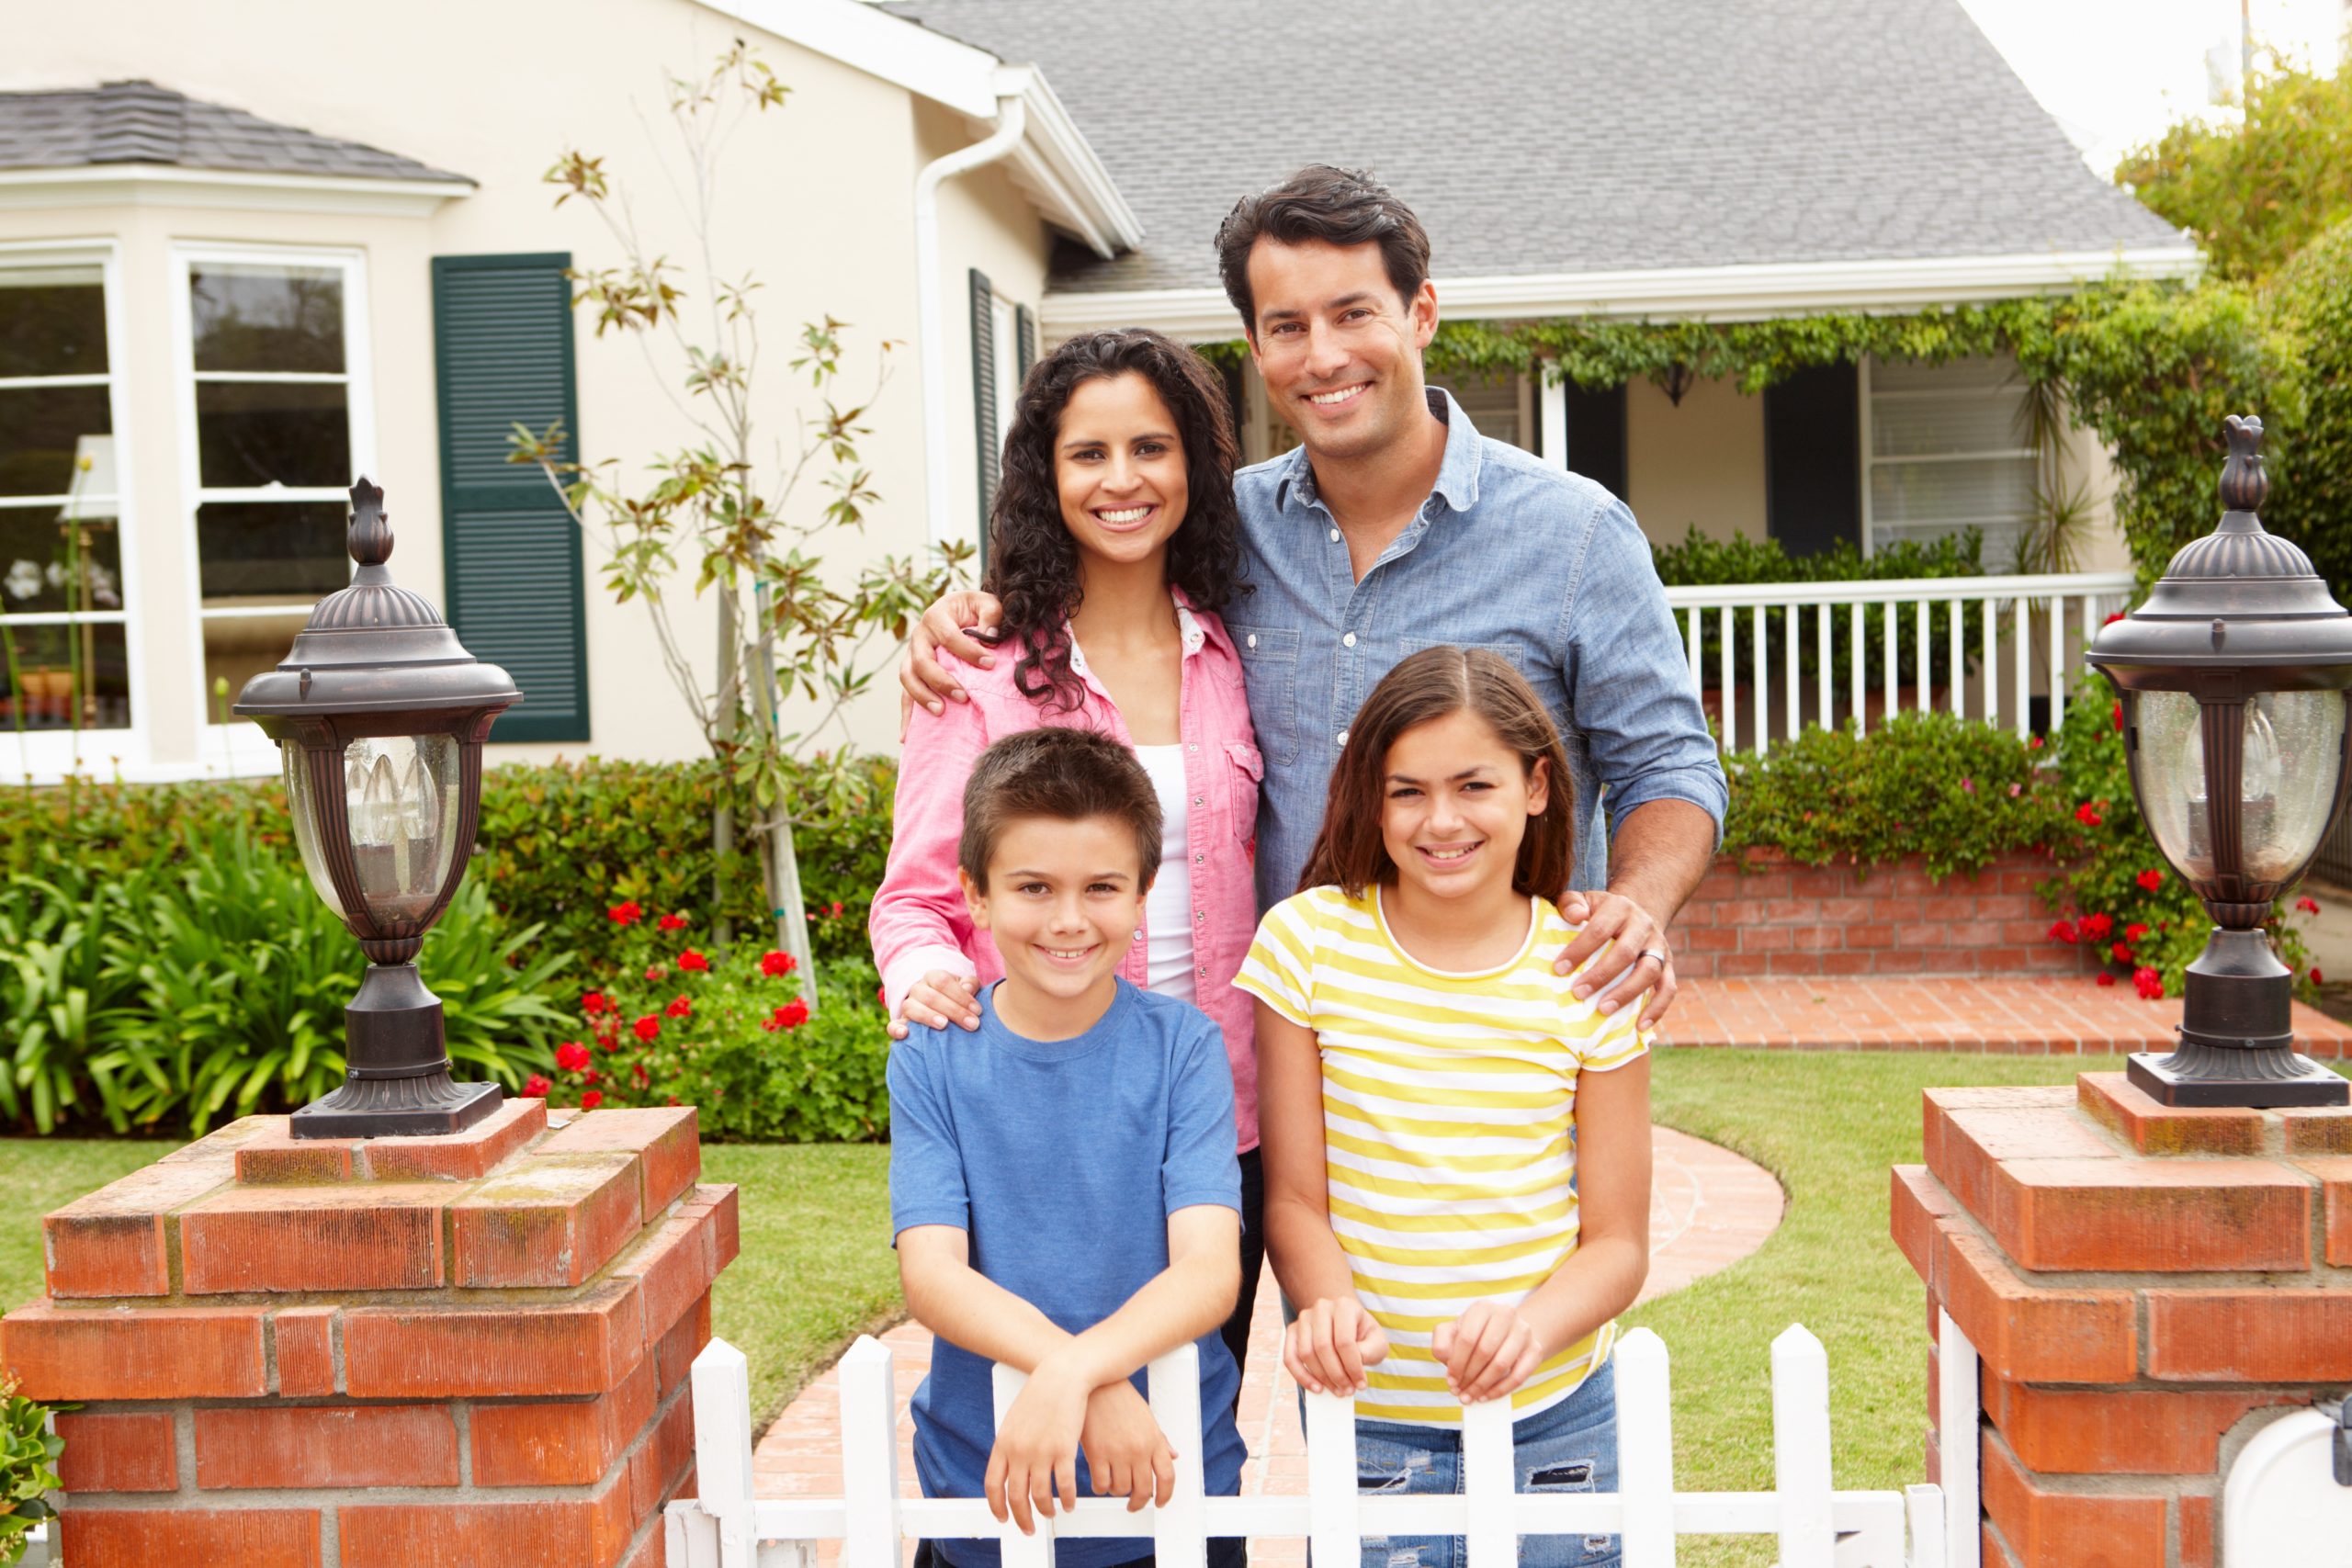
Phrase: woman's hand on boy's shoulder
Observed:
(1126, 1453)
(1330, 1345)
(939, 998)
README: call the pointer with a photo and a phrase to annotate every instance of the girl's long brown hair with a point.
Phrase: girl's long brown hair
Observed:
(1350, 851)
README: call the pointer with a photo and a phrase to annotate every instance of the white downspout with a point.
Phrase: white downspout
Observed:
(930, 313)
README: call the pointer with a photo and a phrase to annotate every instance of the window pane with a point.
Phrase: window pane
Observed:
(271, 550)
(52, 666)
(262, 432)
(1974, 422)
(43, 430)
(237, 649)
(42, 561)
(266, 318)
(52, 321)
(1968, 491)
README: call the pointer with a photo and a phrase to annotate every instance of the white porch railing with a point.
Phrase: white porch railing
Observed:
(1923, 653)
(727, 1526)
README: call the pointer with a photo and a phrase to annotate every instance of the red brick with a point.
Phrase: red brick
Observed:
(2321, 1132)
(158, 1353)
(1818, 884)
(464, 1157)
(2059, 1530)
(654, 1552)
(569, 1444)
(275, 1156)
(665, 1138)
(1707, 938)
(1819, 939)
(1919, 1201)
(118, 1453)
(2154, 1128)
(2077, 1432)
(305, 1346)
(728, 1214)
(583, 1347)
(1739, 965)
(590, 1532)
(1873, 935)
(2335, 1187)
(367, 1445)
(249, 1537)
(1845, 962)
(112, 1243)
(1795, 963)
(314, 1239)
(2027, 1333)
(662, 1457)
(549, 1220)
(2250, 1336)
(1766, 938)
(2151, 1214)
(675, 1266)
(2197, 1532)
(675, 1354)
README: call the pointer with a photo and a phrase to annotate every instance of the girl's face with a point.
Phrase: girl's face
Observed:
(1120, 469)
(1455, 805)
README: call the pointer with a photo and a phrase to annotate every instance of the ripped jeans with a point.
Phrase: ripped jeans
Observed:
(1572, 1446)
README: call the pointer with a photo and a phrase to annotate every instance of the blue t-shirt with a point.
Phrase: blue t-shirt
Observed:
(1063, 1160)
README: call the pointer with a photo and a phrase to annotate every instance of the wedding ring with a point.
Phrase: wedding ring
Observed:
(1651, 952)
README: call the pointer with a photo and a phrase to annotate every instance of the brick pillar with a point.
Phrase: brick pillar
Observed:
(389, 1351)
(2139, 1281)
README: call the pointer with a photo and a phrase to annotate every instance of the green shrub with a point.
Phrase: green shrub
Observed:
(2312, 502)
(27, 1471)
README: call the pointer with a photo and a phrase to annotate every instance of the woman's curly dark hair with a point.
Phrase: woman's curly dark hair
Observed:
(1033, 559)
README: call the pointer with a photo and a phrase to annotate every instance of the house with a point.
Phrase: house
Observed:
(239, 265)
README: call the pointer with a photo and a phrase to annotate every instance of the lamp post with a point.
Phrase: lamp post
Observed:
(381, 715)
(2233, 677)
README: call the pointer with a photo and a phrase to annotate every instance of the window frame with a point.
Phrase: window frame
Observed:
(240, 742)
(1869, 459)
(49, 755)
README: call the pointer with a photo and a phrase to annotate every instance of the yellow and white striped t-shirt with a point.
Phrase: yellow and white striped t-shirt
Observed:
(1449, 1127)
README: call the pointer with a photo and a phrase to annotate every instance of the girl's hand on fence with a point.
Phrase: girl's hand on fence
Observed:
(1331, 1344)
(1126, 1453)
(1036, 1457)
(1488, 1352)
(939, 998)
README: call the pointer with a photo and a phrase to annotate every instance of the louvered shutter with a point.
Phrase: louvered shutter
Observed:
(501, 340)
(1813, 496)
(1025, 319)
(985, 440)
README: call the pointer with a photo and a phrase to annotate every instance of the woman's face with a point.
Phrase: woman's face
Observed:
(1120, 469)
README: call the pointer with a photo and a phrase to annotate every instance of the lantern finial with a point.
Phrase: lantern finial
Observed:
(370, 538)
(2244, 487)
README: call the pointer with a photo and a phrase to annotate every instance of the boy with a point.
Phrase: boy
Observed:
(1064, 1189)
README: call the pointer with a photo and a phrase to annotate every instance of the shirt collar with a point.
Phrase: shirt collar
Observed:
(1458, 473)
(1188, 627)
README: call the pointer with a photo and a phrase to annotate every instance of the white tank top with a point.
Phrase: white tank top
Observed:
(1167, 908)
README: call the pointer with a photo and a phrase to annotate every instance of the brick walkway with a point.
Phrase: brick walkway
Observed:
(2054, 1017)
(1709, 1209)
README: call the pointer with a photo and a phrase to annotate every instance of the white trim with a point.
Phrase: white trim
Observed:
(168, 184)
(1058, 169)
(1552, 394)
(1755, 292)
(931, 311)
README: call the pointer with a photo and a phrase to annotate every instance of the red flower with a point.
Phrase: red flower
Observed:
(679, 1008)
(536, 1087)
(2150, 880)
(770, 1024)
(1968, 786)
(2308, 905)
(594, 1003)
(592, 1098)
(2134, 932)
(835, 910)
(792, 1014)
(773, 963)
(672, 922)
(2148, 983)
(2096, 927)
(671, 1100)
(2033, 742)
(690, 959)
(2105, 978)
(592, 1076)
(571, 1055)
(657, 972)
(640, 1075)
(881, 995)
(2118, 712)
(626, 914)
(2088, 815)
(2114, 618)
(2121, 952)
(2317, 978)
(2063, 931)
(647, 1027)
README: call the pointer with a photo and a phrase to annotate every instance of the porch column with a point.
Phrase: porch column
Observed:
(2146, 1288)
(342, 1354)
(1552, 418)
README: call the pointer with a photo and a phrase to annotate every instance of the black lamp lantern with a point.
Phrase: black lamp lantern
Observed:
(2234, 677)
(382, 717)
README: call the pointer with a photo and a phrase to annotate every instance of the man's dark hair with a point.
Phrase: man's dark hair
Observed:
(1341, 207)
(1067, 775)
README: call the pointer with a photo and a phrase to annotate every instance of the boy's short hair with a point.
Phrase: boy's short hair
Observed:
(1341, 207)
(1062, 773)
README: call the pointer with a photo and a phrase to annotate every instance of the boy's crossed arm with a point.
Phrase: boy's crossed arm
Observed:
(1078, 1391)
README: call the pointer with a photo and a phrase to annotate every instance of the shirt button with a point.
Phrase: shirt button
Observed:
(1196, 800)
(1334, 536)
(1343, 737)
(1253, 639)
(1203, 971)
(1348, 640)
(1197, 859)
(1199, 914)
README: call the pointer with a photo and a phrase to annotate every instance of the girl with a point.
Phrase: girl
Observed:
(1457, 1150)
(1113, 541)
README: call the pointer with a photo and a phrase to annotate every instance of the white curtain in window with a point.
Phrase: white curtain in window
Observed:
(1947, 450)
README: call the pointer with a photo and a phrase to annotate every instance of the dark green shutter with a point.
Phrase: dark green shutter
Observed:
(1025, 322)
(502, 345)
(1813, 459)
(1596, 436)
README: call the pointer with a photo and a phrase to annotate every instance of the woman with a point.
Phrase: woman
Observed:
(1113, 542)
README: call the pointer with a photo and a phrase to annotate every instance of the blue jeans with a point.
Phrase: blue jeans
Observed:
(1572, 1446)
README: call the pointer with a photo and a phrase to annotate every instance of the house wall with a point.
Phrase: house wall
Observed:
(816, 200)
(1696, 464)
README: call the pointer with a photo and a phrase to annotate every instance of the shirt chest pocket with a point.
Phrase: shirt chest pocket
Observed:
(1246, 770)
(1269, 667)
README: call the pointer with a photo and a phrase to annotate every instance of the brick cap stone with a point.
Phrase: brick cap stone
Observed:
(272, 1155)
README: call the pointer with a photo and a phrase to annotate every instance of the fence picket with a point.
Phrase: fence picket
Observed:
(1488, 1472)
(1730, 692)
(2024, 639)
(1854, 665)
(1035, 1550)
(1800, 1477)
(1920, 661)
(1923, 1508)
(1788, 670)
(2057, 663)
(1821, 663)
(1763, 685)
(870, 1457)
(1645, 1449)
(722, 1393)
(1333, 1532)
(1956, 1415)
(1179, 1539)
(1956, 670)
(1992, 665)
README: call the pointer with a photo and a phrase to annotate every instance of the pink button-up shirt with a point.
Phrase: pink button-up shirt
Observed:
(919, 922)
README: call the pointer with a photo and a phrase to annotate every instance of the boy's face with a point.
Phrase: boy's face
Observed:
(1340, 353)
(1064, 901)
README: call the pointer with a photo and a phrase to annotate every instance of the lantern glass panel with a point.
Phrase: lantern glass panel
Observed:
(401, 801)
(2293, 750)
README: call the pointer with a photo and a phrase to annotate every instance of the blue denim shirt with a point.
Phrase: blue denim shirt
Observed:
(1509, 554)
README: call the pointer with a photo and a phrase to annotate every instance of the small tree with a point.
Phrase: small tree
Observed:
(788, 629)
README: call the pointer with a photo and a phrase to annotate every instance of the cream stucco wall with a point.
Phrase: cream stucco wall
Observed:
(815, 200)
(1699, 463)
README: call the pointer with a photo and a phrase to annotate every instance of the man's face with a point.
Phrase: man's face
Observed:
(1339, 351)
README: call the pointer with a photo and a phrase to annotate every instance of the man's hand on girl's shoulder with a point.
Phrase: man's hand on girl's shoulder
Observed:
(1636, 960)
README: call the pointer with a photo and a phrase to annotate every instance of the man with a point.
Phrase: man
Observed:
(1396, 526)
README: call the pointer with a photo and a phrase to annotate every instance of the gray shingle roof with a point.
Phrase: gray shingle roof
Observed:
(1538, 136)
(139, 122)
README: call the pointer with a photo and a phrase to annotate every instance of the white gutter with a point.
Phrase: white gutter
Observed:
(931, 311)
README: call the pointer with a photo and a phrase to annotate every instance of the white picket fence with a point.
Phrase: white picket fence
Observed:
(1816, 1526)
(2048, 619)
